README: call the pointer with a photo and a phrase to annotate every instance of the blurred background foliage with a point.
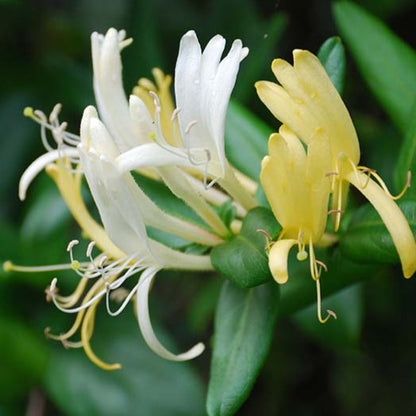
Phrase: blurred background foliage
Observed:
(45, 58)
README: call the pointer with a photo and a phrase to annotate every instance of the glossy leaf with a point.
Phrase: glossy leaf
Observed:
(244, 326)
(147, 384)
(243, 259)
(367, 239)
(387, 64)
(23, 357)
(407, 159)
(332, 56)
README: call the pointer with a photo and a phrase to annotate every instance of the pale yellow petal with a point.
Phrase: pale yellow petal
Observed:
(285, 109)
(278, 256)
(326, 104)
(392, 217)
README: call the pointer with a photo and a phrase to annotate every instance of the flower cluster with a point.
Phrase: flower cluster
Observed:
(179, 141)
(313, 160)
(182, 146)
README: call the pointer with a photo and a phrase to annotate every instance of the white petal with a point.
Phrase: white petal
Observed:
(39, 164)
(146, 325)
(141, 120)
(152, 155)
(188, 83)
(108, 87)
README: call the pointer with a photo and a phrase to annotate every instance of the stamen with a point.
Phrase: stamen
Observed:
(175, 113)
(62, 138)
(86, 332)
(190, 125)
(329, 312)
(55, 112)
(335, 211)
(269, 242)
(71, 245)
(90, 247)
(8, 266)
(380, 181)
(123, 305)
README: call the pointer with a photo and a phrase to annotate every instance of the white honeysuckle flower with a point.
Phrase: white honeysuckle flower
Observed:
(99, 152)
(203, 85)
(149, 132)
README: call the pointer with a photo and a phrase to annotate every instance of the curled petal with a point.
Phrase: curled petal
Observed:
(392, 217)
(39, 164)
(278, 259)
(146, 326)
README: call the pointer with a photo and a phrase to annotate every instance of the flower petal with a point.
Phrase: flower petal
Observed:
(108, 87)
(39, 164)
(141, 120)
(278, 256)
(146, 325)
(392, 217)
(203, 85)
(328, 106)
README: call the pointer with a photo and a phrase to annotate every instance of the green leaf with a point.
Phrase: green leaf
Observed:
(243, 259)
(367, 239)
(244, 325)
(147, 384)
(332, 56)
(262, 45)
(344, 332)
(407, 159)
(227, 212)
(245, 140)
(47, 212)
(387, 64)
(23, 357)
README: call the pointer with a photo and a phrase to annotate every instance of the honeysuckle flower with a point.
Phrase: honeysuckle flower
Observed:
(146, 128)
(297, 189)
(308, 103)
(190, 135)
(127, 250)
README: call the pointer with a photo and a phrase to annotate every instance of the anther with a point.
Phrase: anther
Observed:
(189, 126)
(331, 313)
(102, 261)
(268, 244)
(50, 293)
(175, 113)
(335, 211)
(322, 264)
(72, 244)
(55, 112)
(90, 247)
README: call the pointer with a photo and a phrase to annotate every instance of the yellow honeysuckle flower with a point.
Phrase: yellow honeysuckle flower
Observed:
(308, 103)
(298, 192)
